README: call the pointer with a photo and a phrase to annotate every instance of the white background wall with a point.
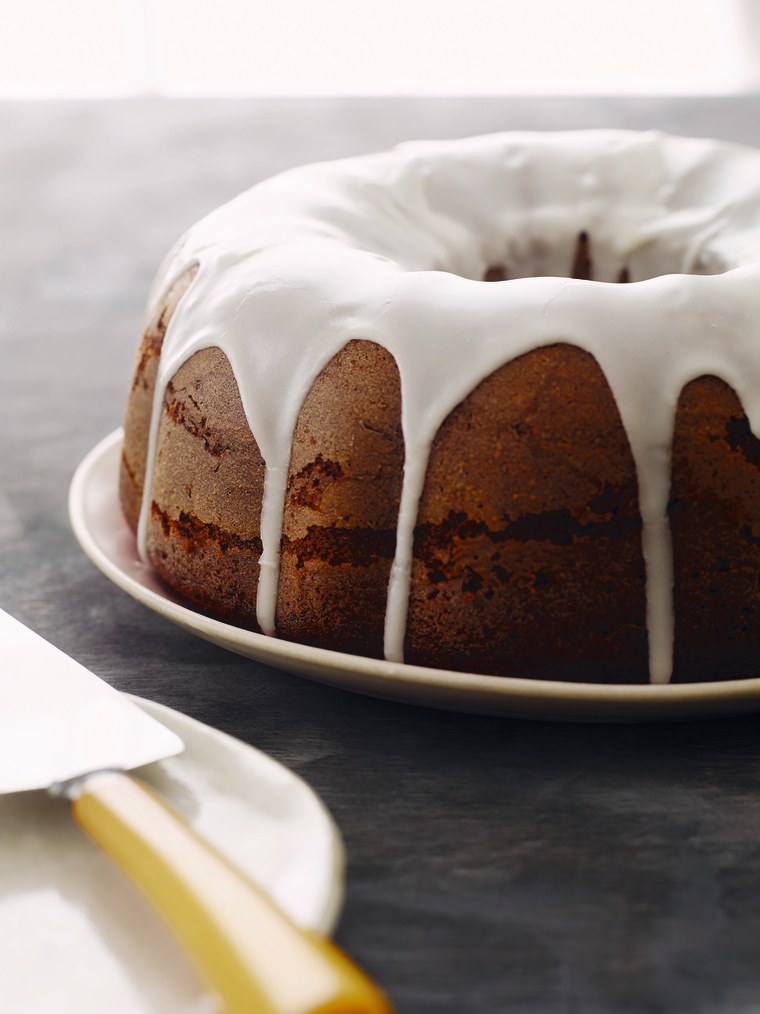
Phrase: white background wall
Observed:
(73, 48)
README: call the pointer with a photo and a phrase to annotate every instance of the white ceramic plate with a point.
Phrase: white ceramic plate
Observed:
(77, 938)
(106, 538)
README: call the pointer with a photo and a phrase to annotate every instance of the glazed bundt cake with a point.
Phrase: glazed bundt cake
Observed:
(484, 405)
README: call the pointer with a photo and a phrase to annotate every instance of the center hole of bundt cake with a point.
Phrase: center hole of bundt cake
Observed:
(586, 258)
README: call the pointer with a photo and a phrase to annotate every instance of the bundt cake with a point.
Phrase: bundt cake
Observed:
(485, 405)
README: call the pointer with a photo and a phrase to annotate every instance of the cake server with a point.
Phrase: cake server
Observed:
(64, 729)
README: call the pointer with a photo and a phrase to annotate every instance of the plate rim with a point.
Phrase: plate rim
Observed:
(326, 920)
(411, 683)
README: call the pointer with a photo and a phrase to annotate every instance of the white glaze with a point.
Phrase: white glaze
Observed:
(391, 248)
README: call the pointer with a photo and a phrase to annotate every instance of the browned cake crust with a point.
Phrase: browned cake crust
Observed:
(203, 533)
(715, 504)
(527, 553)
(140, 402)
(205, 511)
(344, 485)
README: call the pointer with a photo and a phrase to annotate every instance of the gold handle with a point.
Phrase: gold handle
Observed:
(256, 959)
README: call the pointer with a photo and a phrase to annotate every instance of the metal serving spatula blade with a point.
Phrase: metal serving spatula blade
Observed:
(58, 721)
(65, 730)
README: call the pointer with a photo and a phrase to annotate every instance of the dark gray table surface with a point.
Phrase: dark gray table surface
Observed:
(494, 865)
